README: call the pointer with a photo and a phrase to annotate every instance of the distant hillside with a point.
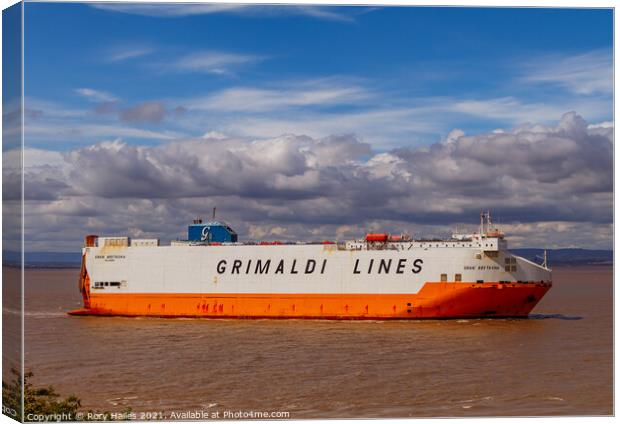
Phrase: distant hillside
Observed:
(568, 256)
(43, 259)
(556, 257)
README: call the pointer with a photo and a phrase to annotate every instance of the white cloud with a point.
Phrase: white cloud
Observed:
(77, 132)
(53, 109)
(213, 62)
(37, 158)
(214, 135)
(309, 107)
(515, 111)
(559, 234)
(382, 128)
(96, 95)
(585, 73)
(327, 13)
(163, 10)
(240, 99)
(605, 124)
(167, 9)
(126, 53)
(55, 123)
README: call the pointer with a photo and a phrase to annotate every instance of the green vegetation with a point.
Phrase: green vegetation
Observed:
(11, 396)
(44, 404)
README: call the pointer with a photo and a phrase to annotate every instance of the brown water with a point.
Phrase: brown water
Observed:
(557, 362)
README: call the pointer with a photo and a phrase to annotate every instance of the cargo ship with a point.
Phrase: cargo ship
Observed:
(379, 276)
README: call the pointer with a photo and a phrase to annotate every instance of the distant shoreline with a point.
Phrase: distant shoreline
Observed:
(41, 266)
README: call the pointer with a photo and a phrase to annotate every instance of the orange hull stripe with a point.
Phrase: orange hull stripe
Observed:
(435, 300)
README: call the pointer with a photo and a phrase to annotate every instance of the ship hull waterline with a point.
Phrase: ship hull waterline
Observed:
(436, 300)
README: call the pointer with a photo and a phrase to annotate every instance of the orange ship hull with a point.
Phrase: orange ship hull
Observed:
(434, 300)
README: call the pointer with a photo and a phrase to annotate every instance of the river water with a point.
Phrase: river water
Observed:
(557, 362)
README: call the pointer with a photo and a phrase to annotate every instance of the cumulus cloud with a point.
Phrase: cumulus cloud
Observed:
(45, 176)
(288, 166)
(554, 177)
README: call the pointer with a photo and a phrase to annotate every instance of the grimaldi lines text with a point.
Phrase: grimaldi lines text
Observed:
(381, 276)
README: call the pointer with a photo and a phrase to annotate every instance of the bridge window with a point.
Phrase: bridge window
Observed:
(457, 277)
(444, 277)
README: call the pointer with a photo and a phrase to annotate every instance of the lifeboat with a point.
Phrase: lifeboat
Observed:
(376, 237)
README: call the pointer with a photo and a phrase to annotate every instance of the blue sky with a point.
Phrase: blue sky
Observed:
(393, 75)
(315, 122)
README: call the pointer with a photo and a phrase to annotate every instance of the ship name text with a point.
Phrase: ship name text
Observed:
(311, 266)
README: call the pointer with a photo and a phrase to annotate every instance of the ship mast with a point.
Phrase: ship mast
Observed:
(485, 223)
